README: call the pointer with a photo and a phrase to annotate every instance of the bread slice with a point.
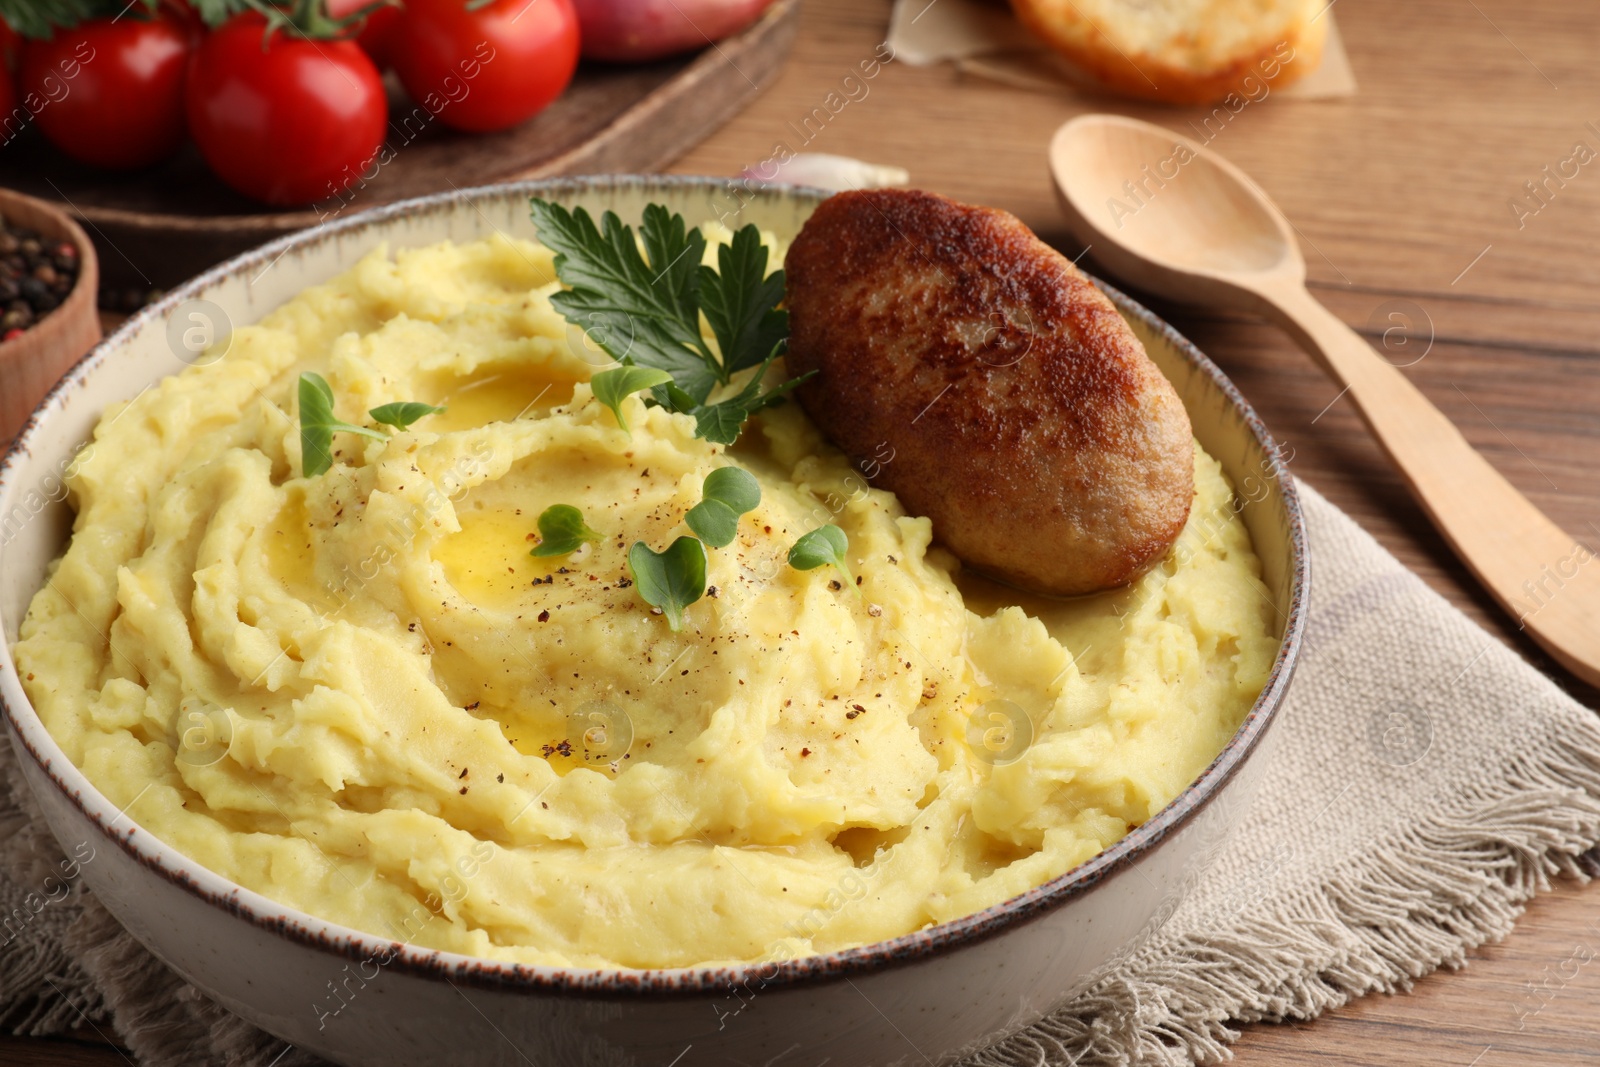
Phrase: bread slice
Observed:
(1184, 51)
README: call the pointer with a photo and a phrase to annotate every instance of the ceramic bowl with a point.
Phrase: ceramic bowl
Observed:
(359, 999)
(31, 363)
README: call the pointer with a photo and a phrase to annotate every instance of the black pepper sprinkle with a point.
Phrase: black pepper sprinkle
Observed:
(471, 707)
(463, 773)
(500, 778)
(544, 616)
(463, 790)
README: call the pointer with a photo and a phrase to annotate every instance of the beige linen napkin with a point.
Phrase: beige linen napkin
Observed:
(983, 38)
(1422, 784)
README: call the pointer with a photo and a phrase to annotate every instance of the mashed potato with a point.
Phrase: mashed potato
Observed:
(358, 693)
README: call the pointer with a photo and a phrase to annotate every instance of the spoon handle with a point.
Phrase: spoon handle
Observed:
(1527, 562)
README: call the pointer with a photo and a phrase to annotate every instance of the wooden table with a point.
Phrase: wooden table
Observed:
(1401, 194)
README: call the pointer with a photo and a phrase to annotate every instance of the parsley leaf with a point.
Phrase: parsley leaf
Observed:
(562, 530)
(741, 301)
(677, 251)
(822, 546)
(402, 413)
(317, 425)
(613, 386)
(728, 493)
(670, 580)
(646, 311)
(722, 421)
(615, 295)
(669, 396)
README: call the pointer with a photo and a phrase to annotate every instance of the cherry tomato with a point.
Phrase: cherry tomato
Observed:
(486, 68)
(284, 119)
(376, 33)
(109, 91)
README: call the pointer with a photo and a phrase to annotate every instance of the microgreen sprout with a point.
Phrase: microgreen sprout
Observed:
(669, 580)
(562, 530)
(822, 546)
(728, 493)
(613, 386)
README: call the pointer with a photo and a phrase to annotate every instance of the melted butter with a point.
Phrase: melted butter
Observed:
(487, 560)
(291, 551)
(554, 739)
(563, 763)
(498, 396)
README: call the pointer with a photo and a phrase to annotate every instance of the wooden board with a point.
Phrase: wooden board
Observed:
(156, 227)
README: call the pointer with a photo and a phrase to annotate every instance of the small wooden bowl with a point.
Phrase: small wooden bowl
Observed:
(32, 363)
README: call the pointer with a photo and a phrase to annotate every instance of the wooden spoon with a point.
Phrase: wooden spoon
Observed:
(1172, 217)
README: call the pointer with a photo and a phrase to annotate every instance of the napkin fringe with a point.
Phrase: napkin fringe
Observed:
(81, 969)
(1416, 902)
(142, 993)
(158, 1015)
(42, 988)
(26, 975)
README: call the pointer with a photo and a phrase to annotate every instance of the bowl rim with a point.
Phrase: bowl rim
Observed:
(27, 729)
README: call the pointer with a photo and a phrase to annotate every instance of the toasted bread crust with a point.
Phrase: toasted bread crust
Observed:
(1023, 415)
(1175, 74)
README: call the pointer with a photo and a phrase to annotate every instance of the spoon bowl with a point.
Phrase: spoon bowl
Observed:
(1174, 218)
(1191, 214)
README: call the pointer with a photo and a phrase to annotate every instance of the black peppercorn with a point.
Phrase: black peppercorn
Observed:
(36, 274)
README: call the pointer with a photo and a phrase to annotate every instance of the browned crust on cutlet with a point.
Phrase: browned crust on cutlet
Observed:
(1022, 414)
